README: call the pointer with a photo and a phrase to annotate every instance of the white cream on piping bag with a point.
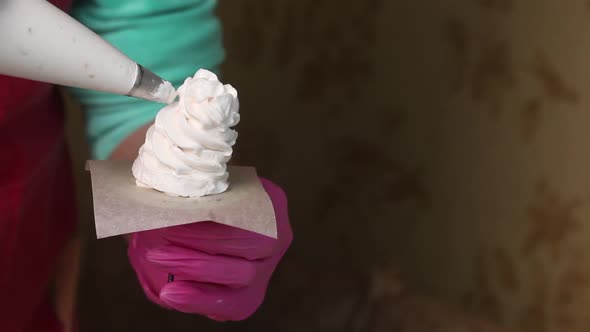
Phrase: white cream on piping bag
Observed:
(187, 148)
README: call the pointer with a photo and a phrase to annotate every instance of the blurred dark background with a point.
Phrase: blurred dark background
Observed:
(433, 154)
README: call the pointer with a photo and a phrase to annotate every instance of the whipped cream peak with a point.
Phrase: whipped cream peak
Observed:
(188, 146)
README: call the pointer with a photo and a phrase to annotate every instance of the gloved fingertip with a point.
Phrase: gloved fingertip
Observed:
(180, 296)
(184, 297)
(157, 255)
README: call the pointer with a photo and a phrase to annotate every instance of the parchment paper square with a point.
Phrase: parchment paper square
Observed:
(121, 207)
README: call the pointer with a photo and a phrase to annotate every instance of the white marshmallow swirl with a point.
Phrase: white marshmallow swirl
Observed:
(187, 148)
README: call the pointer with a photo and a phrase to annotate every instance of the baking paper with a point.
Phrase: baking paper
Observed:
(121, 207)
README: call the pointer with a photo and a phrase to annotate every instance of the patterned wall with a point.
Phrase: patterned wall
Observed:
(443, 139)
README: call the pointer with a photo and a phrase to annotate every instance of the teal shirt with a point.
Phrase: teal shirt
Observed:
(172, 38)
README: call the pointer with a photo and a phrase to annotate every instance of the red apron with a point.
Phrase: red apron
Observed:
(37, 202)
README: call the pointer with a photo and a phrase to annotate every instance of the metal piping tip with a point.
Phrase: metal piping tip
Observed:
(150, 86)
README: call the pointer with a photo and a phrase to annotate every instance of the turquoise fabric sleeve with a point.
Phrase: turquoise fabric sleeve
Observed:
(172, 38)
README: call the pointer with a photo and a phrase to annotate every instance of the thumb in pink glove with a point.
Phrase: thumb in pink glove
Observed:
(220, 271)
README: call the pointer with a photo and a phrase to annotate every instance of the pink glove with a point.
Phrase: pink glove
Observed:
(221, 272)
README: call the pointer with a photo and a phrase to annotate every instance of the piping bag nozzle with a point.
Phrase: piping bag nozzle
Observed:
(150, 86)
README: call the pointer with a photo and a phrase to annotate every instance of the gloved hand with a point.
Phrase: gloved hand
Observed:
(220, 271)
